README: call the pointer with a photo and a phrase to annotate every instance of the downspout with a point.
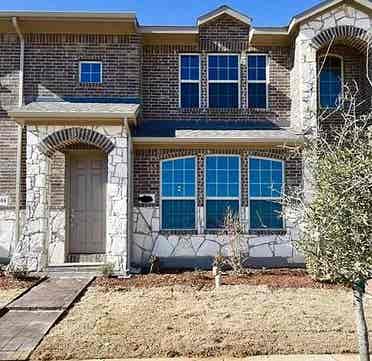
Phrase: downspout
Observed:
(19, 133)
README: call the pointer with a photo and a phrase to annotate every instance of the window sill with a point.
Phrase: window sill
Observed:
(167, 232)
(91, 85)
(226, 110)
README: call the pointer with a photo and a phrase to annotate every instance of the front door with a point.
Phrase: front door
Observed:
(87, 202)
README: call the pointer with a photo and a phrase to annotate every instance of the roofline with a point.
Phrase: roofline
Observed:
(64, 115)
(168, 30)
(68, 14)
(221, 10)
(270, 30)
(187, 140)
(319, 8)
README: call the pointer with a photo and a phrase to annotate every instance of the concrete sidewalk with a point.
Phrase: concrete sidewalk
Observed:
(345, 357)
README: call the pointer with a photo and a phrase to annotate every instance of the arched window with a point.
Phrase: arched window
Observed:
(178, 194)
(266, 183)
(330, 81)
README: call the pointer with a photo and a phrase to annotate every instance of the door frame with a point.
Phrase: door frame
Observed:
(67, 194)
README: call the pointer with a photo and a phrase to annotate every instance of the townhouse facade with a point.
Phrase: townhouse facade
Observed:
(121, 142)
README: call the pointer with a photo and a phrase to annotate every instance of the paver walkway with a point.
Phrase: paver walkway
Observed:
(31, 316)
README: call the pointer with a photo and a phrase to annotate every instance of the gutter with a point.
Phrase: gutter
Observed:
(222, 140)
(19, 133)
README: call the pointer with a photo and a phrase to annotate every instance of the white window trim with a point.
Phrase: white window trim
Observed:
(342, 78)
(161, 197)
(265, 198)
(180, 81)
(90, 62)
(267, 81)
(224, 81)
(206, 198)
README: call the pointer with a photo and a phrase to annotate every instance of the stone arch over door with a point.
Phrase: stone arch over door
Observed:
(42, 142)
(348, 35)
(71, 136)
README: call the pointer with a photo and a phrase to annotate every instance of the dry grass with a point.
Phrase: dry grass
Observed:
(184, 321)
(6, 295)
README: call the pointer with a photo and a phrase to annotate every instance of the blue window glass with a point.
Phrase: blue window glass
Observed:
(266, 214)
(178, 193)
(223, 77)
(217, 211)
(257, 95)
(178, 214)
(330, 82)
(257, 81)
(189, 81)
(266, 185)
(222, 188)
(223, 95)
(189, 95)
(223, 67)
(90, 72)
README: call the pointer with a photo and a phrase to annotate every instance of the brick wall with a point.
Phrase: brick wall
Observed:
(225, 34)
(146, 170)
(9, 78)
(52, 65)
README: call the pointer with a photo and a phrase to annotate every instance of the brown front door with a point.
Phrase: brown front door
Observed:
(87, 196)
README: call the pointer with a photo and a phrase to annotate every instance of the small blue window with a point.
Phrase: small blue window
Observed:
(223, 78)
(330, 82)
(257, 81)
(189, 81)
(266, 185)
(178, 193)
(222, 185)
(90, 72)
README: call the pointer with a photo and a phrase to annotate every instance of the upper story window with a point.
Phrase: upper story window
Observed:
(330, 81)
(222, 188)
(257, 81)
(223, 81)
(90, 72)
(178, 194)
(266, 180)
(189, 80)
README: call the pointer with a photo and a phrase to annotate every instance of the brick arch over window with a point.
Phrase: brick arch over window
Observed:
(345, 34)
(70, 136)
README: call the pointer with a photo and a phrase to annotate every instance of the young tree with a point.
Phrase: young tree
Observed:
(336, 222)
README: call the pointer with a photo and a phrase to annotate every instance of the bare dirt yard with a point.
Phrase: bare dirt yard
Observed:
(10, 287)
(173, 315)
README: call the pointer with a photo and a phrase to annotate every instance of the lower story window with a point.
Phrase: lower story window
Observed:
(222, 186)
(266, 179)
(178, 194)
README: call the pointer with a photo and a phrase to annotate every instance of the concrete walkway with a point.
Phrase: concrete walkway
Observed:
(345, 357)
(31, 316)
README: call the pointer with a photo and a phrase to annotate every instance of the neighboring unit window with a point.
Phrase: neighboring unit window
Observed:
(223, 81)
(330, 82)
(265, 193)
(222, 188)
(90, 72)
(178, 193)
(189, 81)
(257, 81)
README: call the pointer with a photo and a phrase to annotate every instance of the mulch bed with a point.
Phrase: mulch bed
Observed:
(275, 278)
(9, 282)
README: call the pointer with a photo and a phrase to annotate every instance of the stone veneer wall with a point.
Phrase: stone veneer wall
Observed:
(345, 15)
(43, 236)
(267, 247)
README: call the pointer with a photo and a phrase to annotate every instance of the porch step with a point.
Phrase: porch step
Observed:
(74, 270)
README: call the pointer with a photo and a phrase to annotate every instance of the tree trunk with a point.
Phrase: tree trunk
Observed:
(362, 329)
